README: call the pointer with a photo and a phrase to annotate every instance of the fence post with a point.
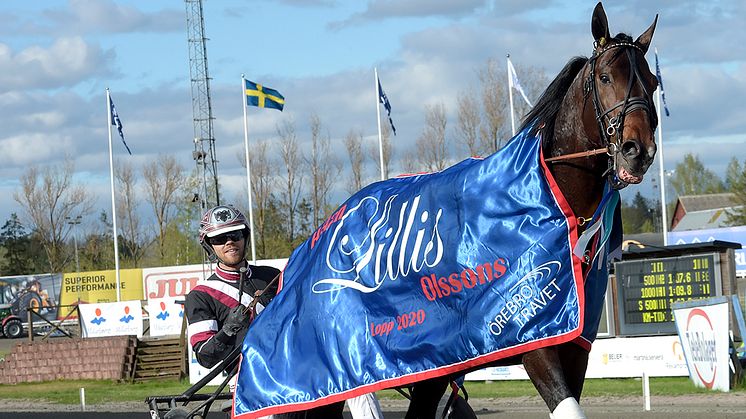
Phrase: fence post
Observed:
(80, 321)
(30, 324)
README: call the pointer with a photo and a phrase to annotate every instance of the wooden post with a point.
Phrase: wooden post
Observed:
(30, 324)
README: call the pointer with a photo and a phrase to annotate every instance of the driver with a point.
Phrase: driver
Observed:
(217, 322)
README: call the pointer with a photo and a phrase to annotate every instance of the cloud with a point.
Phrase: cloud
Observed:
(32, 149)
(378, 10)
(66, 62)
(92, 16)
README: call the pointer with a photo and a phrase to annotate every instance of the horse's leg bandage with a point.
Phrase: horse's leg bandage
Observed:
(568, 409)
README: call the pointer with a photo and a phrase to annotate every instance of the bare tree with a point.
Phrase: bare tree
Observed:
(320, 165)
(494, 104)
(131, 230)
(385, 146)
(469, 122)
(291, 182)
(261, 189)
(49, 196)
(354, 146)
(163, 179)
(432, 153)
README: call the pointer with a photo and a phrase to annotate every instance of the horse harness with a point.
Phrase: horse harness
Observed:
(611, 128)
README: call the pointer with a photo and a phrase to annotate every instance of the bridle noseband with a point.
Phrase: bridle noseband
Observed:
(611, 128)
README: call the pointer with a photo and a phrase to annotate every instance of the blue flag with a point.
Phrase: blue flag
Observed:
(263, 96)
(422, 276)
(385, 101)
(118, 123)
(660, 83)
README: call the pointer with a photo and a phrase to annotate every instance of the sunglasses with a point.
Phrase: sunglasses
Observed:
(233, 236)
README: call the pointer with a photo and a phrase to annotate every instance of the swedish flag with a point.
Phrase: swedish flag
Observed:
(262, 96)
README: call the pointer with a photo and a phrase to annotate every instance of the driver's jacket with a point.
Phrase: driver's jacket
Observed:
(209, 302)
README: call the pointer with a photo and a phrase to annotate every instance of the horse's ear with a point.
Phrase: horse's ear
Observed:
(644, 40)
(600, 25)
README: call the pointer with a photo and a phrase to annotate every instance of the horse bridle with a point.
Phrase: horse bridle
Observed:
(611, 128)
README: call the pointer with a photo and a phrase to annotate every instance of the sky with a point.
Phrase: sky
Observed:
(58, 57)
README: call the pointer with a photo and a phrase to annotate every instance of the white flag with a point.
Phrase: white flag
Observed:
(515, 83)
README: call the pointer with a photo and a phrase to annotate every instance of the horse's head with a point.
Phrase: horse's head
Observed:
(620, 86)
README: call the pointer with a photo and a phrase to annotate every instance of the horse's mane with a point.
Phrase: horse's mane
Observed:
(546, 109)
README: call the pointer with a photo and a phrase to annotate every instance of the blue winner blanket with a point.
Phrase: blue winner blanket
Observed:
(421, 276)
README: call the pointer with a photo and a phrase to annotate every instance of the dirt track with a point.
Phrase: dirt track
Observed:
(709, 406)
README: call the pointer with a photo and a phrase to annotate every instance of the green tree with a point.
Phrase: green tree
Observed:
(691, 177)
(16, 243)
(737, 185)
(641, 216)
(732, 174)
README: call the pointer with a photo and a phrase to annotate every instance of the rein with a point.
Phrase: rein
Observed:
(577, 155)
(252, 305)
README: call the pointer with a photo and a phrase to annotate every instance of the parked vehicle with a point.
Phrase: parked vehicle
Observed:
(12, 327)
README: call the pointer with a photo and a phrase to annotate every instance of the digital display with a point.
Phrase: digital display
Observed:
(647, 288)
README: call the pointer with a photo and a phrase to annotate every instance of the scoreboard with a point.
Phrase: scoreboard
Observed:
(646, 289)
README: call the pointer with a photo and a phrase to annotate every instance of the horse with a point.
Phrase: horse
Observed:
(597, 121)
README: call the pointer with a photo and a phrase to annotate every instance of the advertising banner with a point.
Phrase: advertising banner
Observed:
(703, 330)
(173, 281)
(37, 291)
(111, 319)
(101, 286)
(658, 356)
(166, 316)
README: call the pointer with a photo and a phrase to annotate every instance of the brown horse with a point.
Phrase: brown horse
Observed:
(597, 120)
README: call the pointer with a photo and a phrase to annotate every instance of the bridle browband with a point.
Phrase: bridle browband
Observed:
(611, 128)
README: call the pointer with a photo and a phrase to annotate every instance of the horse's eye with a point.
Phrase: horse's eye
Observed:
(604, 78)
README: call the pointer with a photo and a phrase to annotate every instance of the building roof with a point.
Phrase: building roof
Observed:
(701, 220)
(692, 203)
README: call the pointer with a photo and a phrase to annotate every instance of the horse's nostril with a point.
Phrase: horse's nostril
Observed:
(630, 149)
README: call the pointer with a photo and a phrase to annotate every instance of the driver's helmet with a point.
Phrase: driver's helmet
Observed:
(219, 220)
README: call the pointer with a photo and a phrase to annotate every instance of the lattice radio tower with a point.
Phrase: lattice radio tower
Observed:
(204, 140)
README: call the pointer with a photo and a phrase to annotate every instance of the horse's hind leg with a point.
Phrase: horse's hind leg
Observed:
(425, 397)
(558, 374)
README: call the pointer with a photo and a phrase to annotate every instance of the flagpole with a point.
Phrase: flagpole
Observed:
(378, 115)
(661, 171)
(510, 93)
(113, 202)
(248, 166)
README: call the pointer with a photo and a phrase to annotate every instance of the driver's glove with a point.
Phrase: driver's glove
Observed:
(237, 320)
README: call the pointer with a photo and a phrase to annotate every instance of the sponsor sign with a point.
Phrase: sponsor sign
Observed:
(101, 286)
(166, 317)
(111, 319)
(658, 356)
(40, 292)
(173, 282)
(703, 330)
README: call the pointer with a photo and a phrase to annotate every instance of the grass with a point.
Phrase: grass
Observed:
(102, 391)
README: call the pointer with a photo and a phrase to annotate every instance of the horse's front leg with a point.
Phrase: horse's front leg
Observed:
(558, 374)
